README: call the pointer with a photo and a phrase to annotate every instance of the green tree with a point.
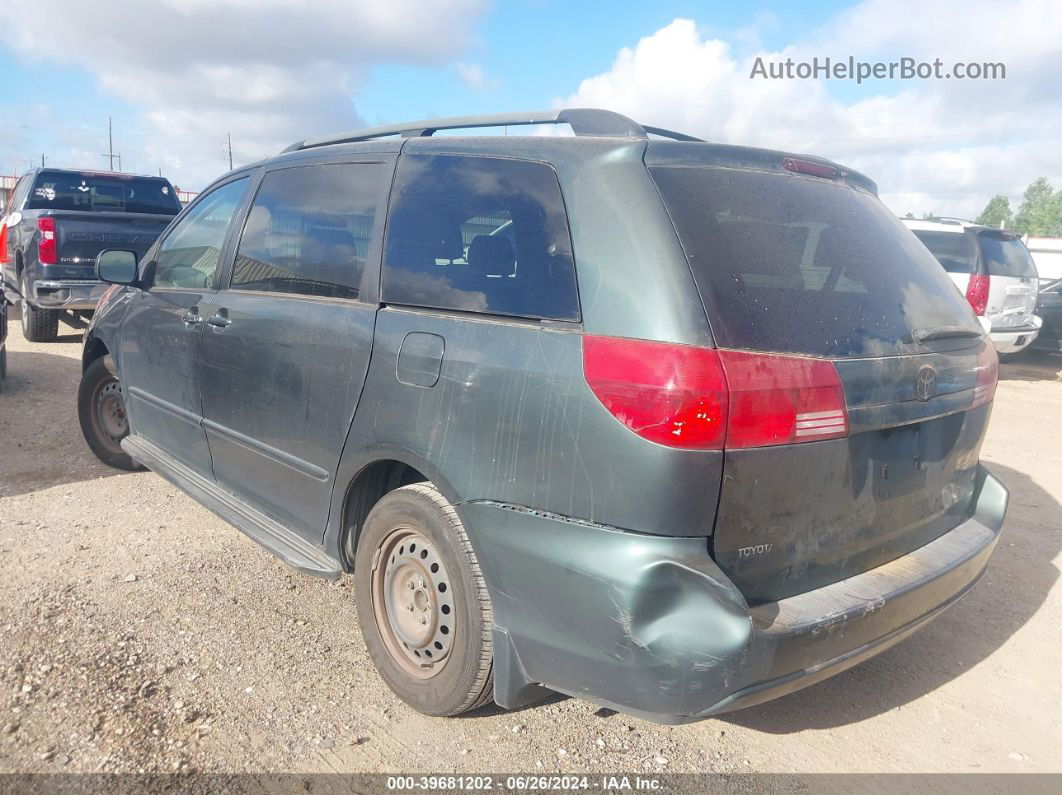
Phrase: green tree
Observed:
(996, 212)
(1053, 216)
(910, 216)
(1039, 210)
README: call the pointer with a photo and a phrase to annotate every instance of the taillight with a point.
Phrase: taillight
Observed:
(674, 395)
(977, 292)
(47, 251)
(782, 399)
(683, 396)
(987, 370)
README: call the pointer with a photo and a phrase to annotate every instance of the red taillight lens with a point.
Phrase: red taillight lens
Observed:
(47, 250)
(682, 396)
(782, 399)
(987, 369)
(977, 292)
(674, 395)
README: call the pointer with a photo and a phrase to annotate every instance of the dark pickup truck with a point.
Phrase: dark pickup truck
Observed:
(57, 222)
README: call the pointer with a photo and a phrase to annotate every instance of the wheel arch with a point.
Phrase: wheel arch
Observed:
(371, 482)
(94, 349)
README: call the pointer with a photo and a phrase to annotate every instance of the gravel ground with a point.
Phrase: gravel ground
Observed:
(138, 632)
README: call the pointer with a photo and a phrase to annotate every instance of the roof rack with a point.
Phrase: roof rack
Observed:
(583, 121)
(950, 219)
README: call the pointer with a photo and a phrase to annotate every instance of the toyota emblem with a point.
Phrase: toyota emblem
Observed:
(927, 377)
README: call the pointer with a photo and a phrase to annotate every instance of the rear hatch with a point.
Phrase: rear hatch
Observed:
(1013, 281)
(817, 268)
(93, 212)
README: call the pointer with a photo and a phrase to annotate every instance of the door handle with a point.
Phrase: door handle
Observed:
(192, 317)
(219, 321)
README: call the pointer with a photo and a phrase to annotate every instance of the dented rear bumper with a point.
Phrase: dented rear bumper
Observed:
(651, 626)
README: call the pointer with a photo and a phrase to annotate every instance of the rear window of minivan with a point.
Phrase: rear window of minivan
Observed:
(1005, 255)
(802, 265)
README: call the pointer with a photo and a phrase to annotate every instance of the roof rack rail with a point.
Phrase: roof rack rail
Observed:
(583, 121)
(950, 219)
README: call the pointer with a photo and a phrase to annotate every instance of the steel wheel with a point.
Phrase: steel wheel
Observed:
(101, 413)
(411, 604)
(110, 413)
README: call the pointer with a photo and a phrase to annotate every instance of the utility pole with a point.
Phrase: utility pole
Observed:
(42, 159)
(229, 135)
(110, 148)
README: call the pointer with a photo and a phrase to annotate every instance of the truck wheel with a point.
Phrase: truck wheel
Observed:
(38, 325)
(423, 607)
(101, 411)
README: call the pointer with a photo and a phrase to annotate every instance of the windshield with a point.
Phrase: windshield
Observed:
(808, 266)
(954, 250)
(58, 190)
(1006, 256)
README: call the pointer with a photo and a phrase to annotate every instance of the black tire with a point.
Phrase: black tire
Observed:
(38, 325)
(1009, 358)
(465, 677)
(99, 400)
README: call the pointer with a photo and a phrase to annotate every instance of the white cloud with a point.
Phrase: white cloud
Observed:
(268, 71)
(473, 75)
(939, 145)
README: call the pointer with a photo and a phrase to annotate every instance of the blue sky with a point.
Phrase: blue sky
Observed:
(178, 75)
(530, 51)
(537, 50)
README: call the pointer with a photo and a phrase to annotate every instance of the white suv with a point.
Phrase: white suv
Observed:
(995, 271)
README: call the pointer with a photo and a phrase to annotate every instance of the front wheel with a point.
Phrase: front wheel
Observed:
(422, 603)
(101, 411)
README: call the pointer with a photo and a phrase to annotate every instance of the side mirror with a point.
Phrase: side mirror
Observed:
(116, 266)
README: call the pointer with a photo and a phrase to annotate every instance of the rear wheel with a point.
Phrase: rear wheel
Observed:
(101, 411)
(38, 325)
(422, 603)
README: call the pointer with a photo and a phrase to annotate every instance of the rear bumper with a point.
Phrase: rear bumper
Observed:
(66, 294)
(1014, 339)
(652, 627)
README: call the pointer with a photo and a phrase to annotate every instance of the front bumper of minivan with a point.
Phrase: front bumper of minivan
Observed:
(652, 627)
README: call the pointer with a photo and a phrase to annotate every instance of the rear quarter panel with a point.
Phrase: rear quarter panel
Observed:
(511, 420)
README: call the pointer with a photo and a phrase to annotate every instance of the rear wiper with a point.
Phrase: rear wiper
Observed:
(928, 333)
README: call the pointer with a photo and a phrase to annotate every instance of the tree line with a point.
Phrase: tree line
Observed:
(1040, 212)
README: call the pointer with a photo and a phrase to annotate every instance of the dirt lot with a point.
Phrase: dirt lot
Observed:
(139, 632)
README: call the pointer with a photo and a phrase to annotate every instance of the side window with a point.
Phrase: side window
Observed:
(188, 257)
(18, 195)
(309, 229)
(479, 234)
